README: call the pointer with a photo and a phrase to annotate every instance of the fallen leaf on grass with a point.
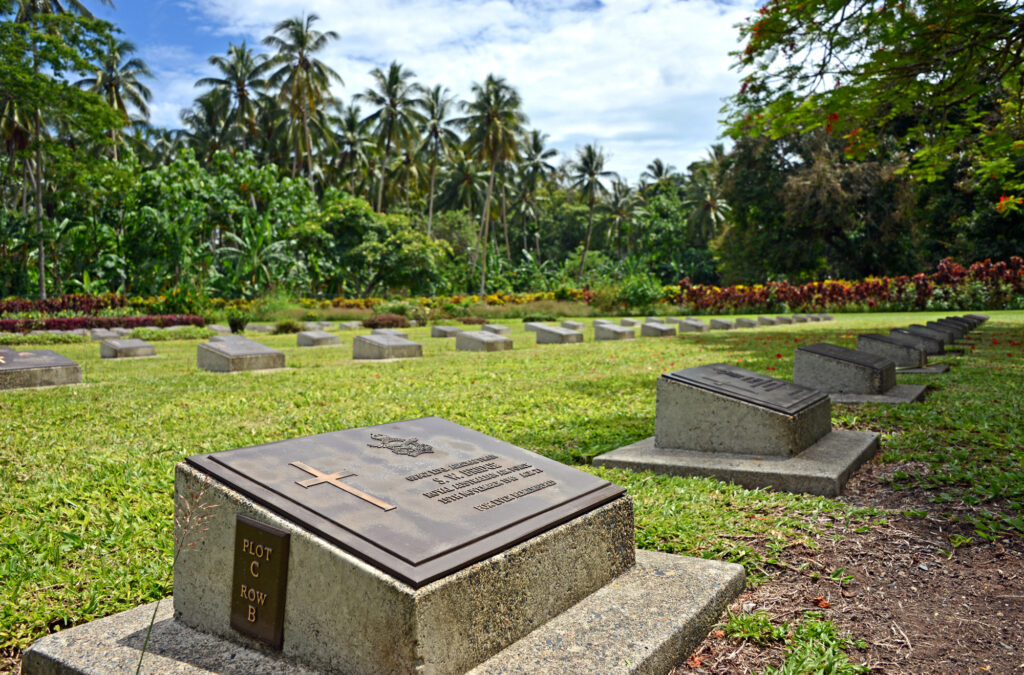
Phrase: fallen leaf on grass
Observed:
(820, 601)
(719, 634)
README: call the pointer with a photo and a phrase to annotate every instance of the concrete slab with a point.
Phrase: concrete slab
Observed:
(552, 335)
(767, 321)
(316, 338)
(37, 368)
(692, 326)
(232, 356)
(638, 623)
(657, 330)
(130, 348)
(821, 469)
(746, 323)
(900, 393)
(783, 319)
(444, 331)
(496, 328)
(629, 323)
(394, 332)
(481, 341)
(379, 346)
(722, 324)
(572, 325)
(609, 331)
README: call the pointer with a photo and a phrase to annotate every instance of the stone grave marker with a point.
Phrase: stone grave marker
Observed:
(219, 328)
(413, 547)
(531, 326)
(746, 323)
(629, 323)
(722, 324)
(102, 334)
(741, 426)
(931, 346)
(849, 376)
(799, 318)
(495, 328)
(980, 318)
(609, 331)
(551, 335)
(128, 348)
(394, 332)
(350, 325)
(572, 325)
(767, 321)
(902, 354)
(959, 330)
(782, 319)
(378, 346)
(259, 327)
(692, 325)
(657, 330)
(234, 354)
(121, 332)
(953, 333)
(316, 338)
(20, 369)
(444, 331)
(481, 341)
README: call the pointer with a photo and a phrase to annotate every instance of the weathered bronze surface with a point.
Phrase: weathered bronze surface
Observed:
(746, 385)
(418, 499)
(259, 581)
(36, 358)
(848, 355)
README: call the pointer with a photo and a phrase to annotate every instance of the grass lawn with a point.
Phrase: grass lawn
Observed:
(86, 472)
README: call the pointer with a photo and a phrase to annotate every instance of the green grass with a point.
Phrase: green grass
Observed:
(86, 471)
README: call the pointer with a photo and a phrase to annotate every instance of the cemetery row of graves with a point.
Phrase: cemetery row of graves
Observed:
(87, 507)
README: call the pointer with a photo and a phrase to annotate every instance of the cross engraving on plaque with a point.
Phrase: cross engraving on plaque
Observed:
(335, 480)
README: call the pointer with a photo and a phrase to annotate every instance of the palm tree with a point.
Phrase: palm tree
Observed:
(118, 83)
(463, 185)
(623, 206)
(352, 143)
(658, 173)
(704, 193)
(534, 167)
(586, 173)
(438, 137)
(396, 98)
(26, 12)
(242, 75)
(303, 81)
(204, 121)
(493, 120)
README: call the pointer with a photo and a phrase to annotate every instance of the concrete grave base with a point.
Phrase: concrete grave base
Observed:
(316, 338)
(933, 369)
(900, 393)
(37, 368)
(821, 469)
(379, 346)
(481, 341)
(636, 624)
(126, 349)
(231, 356)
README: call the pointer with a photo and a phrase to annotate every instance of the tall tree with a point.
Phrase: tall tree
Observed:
(303, 81)
(242, 76)
(534, 168)
(117, 81)
(352, 142)
(397, 99)
(438, 137)
(586, 172)
(704, 193)
(493, 121)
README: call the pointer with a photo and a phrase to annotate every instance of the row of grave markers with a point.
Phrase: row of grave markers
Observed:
(424, 546)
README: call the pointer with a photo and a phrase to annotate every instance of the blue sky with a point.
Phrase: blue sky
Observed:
(642, 78)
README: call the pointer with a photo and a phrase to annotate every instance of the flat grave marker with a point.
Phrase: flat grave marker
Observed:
(550, 335)
(20, 369)
(758, 431)
(232, 354)
(316, 338)
(691, 325)
(850, 376)
(722, 324)
(609, 331)
(746, 323)
(439, 331)
(481, 341)
(127, 348)
(380, 346)
(495, 328)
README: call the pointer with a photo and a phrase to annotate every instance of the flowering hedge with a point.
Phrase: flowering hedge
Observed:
(984, 285)
(79, 322)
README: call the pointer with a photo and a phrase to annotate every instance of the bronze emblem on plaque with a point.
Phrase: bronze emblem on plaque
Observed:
(259, 581)
(410, 447)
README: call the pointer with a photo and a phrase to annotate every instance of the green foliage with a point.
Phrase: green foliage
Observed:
(286, 326)
(10, 339)
(756, 627)
(179, 333)
(817, 646)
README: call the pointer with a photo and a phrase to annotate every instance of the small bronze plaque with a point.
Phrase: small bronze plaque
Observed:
(418, 499)
(259, 581)
(750, 387)
(849, 355)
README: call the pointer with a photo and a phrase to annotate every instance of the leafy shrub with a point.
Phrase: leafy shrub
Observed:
(182, 333)
(539, 317)
(77, 322)
(8, 339)
(386, 321)
(640, 292)
(288, 326)
(472, 320)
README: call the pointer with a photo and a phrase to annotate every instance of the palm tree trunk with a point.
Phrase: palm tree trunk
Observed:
(484, 232)
(586, 244)
(536, 233)
(430, 206)
(383, 169)
(39, 208)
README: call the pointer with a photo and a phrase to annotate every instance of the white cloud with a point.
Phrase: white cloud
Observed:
(642, 78)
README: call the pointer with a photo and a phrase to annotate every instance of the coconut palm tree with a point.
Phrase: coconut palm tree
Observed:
(397, 101)
(303, 82)
(352, 143)
(534, 168)
(203, 122)
(658, 173)
(117, 81)
(623, 207)
(704, 193)
(242, 75)
(463, 185)
(438, 137)
(493, 120)
(586, 172)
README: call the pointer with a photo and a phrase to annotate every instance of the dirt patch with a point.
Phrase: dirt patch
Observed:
(920, 604)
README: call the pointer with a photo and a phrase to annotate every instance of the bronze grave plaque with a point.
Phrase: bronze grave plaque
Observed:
(849, 355)
(418, 499)
(259, 580)
(746, 385)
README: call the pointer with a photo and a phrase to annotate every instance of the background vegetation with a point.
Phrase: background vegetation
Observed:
(275, 181)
